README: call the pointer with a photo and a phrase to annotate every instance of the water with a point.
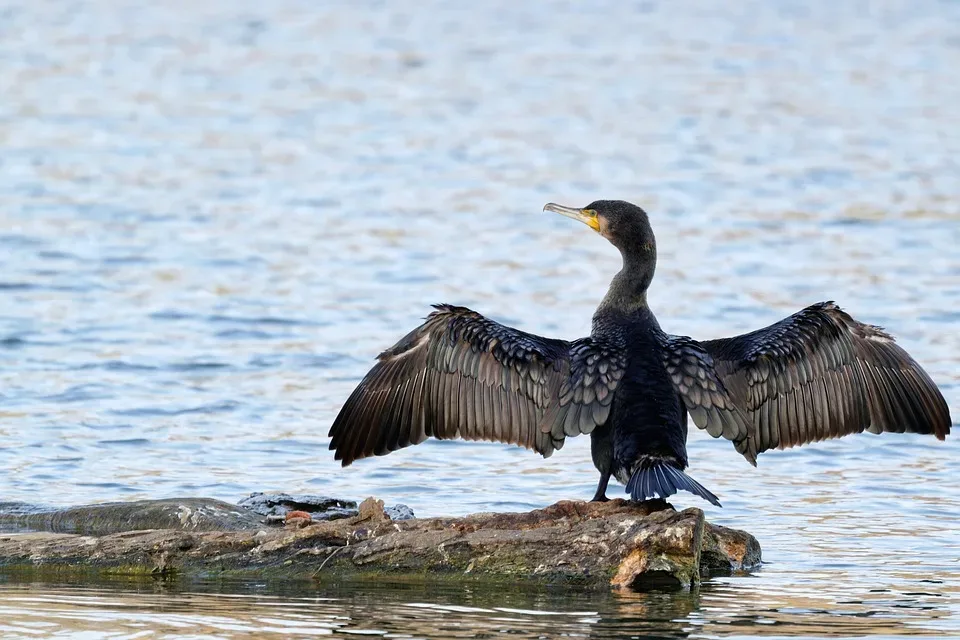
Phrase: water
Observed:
(205, 611)
(214, 215)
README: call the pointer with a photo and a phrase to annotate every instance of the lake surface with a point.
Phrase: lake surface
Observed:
(214, 215)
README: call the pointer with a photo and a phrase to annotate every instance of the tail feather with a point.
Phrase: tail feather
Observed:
(662, 480)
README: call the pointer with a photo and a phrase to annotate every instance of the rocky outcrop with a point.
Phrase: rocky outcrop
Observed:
(617, 543)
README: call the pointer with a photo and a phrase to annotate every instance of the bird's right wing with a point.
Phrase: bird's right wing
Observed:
(461, 375)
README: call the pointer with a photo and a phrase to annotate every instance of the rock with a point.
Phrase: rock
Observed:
(319, 507)
(275, 506)
(185, 514)
(14, 509)
(399, 512)
(727, 551)
(597, 545)
(298, 523)
(298, 519)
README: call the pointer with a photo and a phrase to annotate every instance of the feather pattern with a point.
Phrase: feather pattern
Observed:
(461, 375)
(822, 374)
(691, 369)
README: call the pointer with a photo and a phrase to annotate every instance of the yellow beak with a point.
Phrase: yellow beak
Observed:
(586, 216)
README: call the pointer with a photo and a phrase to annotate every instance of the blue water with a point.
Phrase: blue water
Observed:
(214, 215)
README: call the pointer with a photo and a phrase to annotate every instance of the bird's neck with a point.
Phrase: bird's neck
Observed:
(628, 290)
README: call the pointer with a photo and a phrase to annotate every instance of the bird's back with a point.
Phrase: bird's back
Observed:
(647, 420)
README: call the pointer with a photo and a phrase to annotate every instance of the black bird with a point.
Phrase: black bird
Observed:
(814, 375)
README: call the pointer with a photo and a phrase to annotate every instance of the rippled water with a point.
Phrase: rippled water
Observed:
(720, 608)
(214, 215)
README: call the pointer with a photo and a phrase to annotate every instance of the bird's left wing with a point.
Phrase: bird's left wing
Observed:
(822, 374)
(704, 395)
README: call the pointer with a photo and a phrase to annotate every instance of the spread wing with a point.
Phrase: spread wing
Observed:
(821, 374)
(461, 375)
(703, 393)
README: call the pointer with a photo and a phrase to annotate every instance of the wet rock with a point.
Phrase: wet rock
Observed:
(728, 551)
(615, 544)
(399, 512)
(22, 508)
(277, 505)
(185, 514)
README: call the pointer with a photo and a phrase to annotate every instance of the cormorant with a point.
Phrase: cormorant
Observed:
(814, 375)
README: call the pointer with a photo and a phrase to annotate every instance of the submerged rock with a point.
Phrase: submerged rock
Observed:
(599, 545)
(186, 514)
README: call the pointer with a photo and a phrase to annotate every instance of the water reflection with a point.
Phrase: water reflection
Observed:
(720, 608)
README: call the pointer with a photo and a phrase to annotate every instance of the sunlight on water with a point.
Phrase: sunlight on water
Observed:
(214, 216)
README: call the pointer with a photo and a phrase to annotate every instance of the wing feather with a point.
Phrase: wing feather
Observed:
(822, 374)
(461, 375)
(704, 395)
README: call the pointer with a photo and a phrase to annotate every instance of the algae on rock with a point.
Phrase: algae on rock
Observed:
(617, 543)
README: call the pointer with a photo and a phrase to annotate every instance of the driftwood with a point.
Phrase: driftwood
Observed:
(618, 543)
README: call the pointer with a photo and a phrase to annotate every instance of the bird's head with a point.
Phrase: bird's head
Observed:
(624, 224)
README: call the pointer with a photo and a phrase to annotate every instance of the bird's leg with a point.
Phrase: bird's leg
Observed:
(601, 450)
(601, 494)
